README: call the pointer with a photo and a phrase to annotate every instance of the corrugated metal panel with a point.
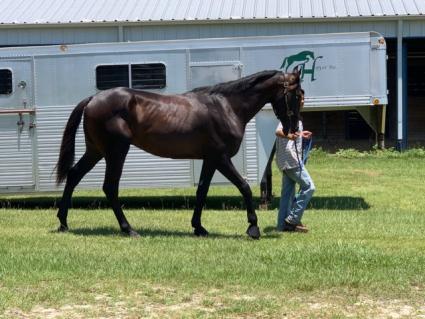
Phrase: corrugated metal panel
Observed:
(16, 169)
(141, 169)
(251, 152)
(363, 8)
(89, 11)
(40, 36)
(329, 9)
(386, 28)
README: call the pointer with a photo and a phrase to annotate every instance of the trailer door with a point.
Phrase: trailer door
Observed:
(16, 126)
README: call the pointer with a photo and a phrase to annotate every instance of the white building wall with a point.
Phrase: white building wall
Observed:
(95, 34)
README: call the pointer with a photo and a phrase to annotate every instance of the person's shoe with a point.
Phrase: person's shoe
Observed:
(288, 227)
(301, 228)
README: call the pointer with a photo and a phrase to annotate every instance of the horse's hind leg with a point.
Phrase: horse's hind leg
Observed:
(114, 165)
(226, 167)
(207, 172)
(75, 174)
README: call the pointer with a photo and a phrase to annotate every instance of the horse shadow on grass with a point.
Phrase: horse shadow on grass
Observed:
(146, 233)
(342, 203)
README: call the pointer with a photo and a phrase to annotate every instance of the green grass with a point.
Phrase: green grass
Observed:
(364, 256)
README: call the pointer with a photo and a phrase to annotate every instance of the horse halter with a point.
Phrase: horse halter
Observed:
(288, 87)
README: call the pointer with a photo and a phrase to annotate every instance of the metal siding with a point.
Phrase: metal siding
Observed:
(411, 7)
(139, 33)
(294, 9)
(328, 8)
(16, 169)
(145, 13)
(192, 11)
(249, 9)
(306, 8)
(399, 7)
(414, 29)
(420, 5)
(386, 28)
(141, 169)
(283, 9)
(363, 7)
(88, 11)
(271, 9)
(41, 36)
(226, 10)
(352, 9)
(237, 9)
(317, 8)
(214, 10)
(170, 12)
(182, 9)
(375, 7)
(251, 152)
(260, 9)
(340, 9)
(203, 10)
(387, 7)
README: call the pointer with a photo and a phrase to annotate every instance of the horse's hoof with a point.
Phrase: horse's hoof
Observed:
(131, 233)
(63, 228)
(200, 232)
(253, 232)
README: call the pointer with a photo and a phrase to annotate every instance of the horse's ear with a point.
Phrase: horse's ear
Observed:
(296, 71)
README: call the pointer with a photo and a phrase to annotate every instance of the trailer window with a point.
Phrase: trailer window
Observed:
(5, 81)
(143, 76)
(148, 76)
(110, 76)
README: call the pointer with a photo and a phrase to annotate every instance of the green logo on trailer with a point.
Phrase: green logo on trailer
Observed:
(305, 60)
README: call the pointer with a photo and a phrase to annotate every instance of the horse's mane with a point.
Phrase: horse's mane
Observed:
(237, 85)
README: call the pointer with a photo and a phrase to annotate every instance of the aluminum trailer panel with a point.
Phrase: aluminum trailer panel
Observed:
(340, 71)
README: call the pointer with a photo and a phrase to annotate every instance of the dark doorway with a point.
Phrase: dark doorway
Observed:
(415, 87)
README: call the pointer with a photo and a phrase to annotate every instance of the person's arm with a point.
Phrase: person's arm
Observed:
(306, 134)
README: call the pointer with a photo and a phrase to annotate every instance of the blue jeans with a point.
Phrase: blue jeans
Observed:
(292, 207)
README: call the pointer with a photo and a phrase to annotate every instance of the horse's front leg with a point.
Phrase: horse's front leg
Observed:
(207, 172)
(226, 167)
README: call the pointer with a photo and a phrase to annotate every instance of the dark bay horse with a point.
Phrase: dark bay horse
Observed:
(206, 123)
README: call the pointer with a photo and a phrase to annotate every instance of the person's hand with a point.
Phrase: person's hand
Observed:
(306, 134)
(292, 136)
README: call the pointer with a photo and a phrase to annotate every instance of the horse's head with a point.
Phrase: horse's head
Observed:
(288, 100)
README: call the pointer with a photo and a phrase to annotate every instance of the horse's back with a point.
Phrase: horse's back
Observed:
(165, 125)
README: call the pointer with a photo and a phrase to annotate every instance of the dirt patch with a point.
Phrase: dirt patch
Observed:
(162, 302)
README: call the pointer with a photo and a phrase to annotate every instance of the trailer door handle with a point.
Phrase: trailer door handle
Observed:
(22, 85)
(20, 123)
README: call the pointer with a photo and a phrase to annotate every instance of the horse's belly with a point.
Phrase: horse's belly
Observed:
(172, 146)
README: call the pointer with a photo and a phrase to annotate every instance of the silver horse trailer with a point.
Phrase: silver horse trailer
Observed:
(40, 86)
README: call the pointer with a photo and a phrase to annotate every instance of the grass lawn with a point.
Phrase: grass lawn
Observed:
(364, 256)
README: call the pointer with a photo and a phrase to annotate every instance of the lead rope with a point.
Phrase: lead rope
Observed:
(298, 155)
(290, 113)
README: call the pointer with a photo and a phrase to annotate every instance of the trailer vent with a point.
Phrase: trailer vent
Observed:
(5, 81)
(148, 76)
(110, 76)
(143, 76)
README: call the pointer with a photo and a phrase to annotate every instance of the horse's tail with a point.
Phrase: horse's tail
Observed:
(67, 150)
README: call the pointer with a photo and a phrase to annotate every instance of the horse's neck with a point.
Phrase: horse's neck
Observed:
(251, 105)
